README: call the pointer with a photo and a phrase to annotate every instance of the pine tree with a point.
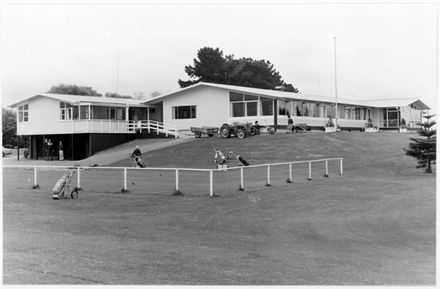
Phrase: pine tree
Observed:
(424, 149)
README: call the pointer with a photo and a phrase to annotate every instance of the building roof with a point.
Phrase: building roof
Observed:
(79, 99)
(297, 96)
(396, 102)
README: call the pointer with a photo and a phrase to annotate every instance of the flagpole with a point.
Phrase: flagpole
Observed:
(336, 88)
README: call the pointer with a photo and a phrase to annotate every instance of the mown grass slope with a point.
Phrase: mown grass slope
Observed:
(374, 225)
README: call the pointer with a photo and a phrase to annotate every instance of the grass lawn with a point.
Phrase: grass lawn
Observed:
(374, 225)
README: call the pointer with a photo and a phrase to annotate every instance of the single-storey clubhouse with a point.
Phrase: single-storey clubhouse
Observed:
(88, 124)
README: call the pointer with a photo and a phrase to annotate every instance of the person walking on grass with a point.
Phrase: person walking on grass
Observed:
(289, 124)
(136, 155)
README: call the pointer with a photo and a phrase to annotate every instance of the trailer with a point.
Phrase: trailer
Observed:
(209, 130)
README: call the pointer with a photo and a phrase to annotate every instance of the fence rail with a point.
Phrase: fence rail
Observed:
(178, 170)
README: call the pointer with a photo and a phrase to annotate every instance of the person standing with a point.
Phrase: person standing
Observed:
(50, 149)
(289, 124)
(60, 151)
(45, 151)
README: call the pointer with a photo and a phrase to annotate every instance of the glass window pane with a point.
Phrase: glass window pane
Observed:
(84, 112)
(305, 109)
(26, 106)
(251, 108)
(233, 96)
(75, 112)
(250, 97)
(20, 116)
(193, 111)
(62, 104)
(238, 109)
(266, 106)
(281, 107)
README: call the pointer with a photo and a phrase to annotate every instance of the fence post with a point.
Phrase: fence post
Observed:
(326, 169)
(268, 176)
(211, 183)
(35, 186)
(78, 186)
(341, 167)
(177, 182)
(124, 189)
(289, 180)
(241, 179)
(310, 171)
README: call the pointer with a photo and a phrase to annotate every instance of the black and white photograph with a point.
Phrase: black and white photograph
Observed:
(223, 142)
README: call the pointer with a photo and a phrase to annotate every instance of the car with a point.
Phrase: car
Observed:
(6, 151)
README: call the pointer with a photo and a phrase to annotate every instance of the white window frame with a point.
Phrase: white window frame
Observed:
(245, 103)
(23, 111)
(174, 113)
(67, 111)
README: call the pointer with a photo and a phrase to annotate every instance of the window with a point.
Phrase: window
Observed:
(305, 109)
(266, 106)
(243, 104)
(331, 111)
(313, 109)
(65, 111)
(298, 108)
(120, 113)
(182, 112)
(289, 108)
(282, 107)
(84, 112)
(357, 113)
(238, 109)
(112, 113)
(23, 113)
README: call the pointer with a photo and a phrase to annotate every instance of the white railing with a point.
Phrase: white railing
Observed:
(177, 170)
(99, 126)
(151, 125)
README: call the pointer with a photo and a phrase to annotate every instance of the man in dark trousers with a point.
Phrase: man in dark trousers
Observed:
(50, 149)
(136, 155)
(289, 124)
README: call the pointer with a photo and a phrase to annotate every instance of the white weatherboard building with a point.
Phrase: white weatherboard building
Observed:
(88, 124)
(212, 104)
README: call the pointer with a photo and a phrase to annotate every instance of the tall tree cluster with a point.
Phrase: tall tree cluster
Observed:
(424, 149)
(212, 66)
(73, 90)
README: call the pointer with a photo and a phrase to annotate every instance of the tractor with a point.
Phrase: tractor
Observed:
(239, 129)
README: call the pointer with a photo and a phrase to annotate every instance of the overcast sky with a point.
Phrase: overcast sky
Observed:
(383, 50)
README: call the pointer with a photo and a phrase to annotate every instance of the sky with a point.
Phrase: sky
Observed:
(383, 50)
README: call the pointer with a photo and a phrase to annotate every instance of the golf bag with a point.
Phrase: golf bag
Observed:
(242, 161)
(139, 163)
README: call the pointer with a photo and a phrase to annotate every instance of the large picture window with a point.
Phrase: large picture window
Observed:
(282, 107)
(266, 106)
(243, 104)
(23, 113)
(182, 112)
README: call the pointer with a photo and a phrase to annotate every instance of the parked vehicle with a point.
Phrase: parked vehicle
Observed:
(209, 130)
(6, 151)
(241, 130)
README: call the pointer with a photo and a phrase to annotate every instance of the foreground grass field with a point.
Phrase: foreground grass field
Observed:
(374, 225)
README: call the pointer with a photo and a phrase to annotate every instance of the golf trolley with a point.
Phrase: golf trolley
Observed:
(221, 160)
(62, 187)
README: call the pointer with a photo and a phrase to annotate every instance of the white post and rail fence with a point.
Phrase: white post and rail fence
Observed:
(210, 172)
